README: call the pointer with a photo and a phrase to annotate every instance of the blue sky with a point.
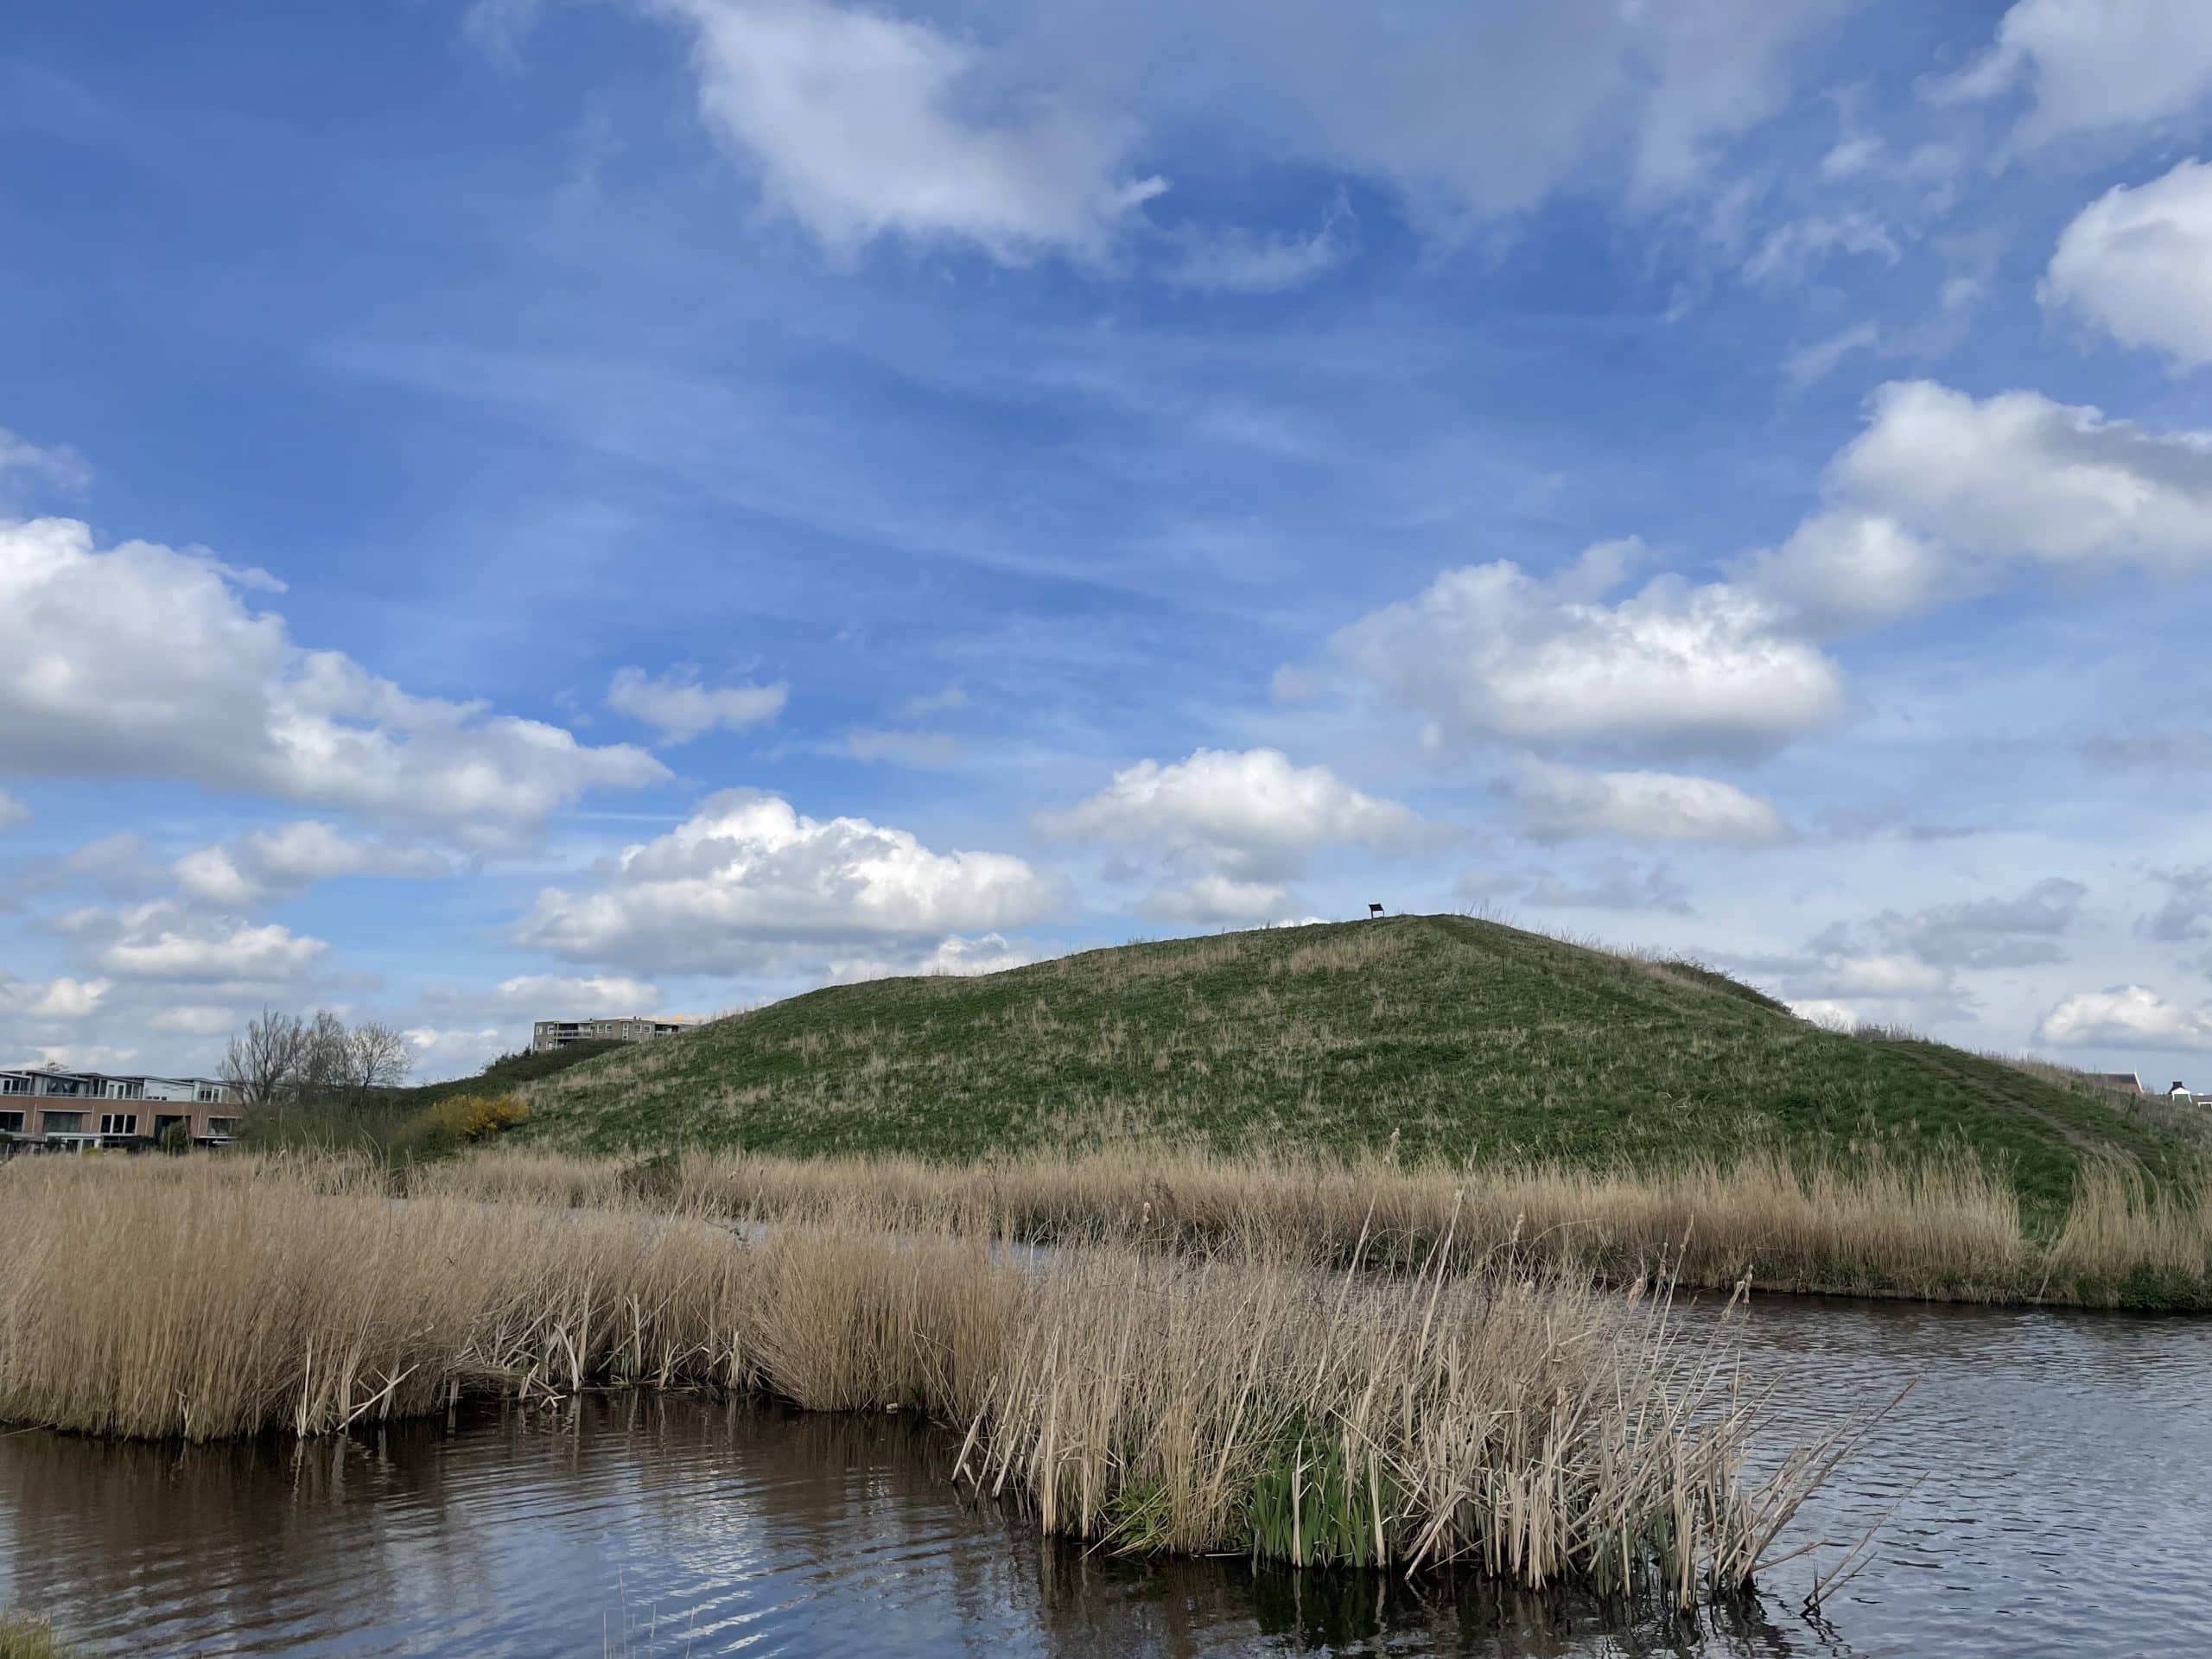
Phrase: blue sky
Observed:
(513, 509)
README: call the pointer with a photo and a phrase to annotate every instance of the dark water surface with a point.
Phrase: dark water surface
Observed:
(2064, 1505)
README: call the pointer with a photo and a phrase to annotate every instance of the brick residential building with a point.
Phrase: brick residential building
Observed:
(46, 1106)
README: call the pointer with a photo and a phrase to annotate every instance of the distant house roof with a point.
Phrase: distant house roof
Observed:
(2127, 1080)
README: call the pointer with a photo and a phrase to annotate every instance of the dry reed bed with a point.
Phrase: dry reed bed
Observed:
(1536, 1426)
(1947, 1230)
(207, 1300)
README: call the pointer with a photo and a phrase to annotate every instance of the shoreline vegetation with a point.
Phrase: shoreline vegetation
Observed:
(1481, 1409)
(1875, 1224)
(22, 1636)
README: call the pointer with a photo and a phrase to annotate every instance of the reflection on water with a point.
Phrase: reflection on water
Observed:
(2060, 1507)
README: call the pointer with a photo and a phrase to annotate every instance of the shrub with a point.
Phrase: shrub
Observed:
(457, 1121)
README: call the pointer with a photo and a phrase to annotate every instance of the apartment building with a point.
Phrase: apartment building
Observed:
(547, 1035)
(46, 1106)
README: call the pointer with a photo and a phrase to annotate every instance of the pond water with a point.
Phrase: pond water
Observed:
(2046, 1481)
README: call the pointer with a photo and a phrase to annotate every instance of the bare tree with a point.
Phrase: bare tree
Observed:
(323, 1060)
(287, 1059)
(264, 1061)
(376, 1058)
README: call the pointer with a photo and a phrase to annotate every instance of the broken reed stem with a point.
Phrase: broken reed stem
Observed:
(1526, 1423)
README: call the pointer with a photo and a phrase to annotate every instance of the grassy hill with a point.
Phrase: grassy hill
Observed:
(505, 1075)
(1461, 1038)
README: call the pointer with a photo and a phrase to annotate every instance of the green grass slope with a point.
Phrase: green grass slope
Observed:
(503, 1076)
(1460, 1037)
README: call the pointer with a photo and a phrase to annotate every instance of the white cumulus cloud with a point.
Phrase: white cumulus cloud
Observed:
(1841, 569)
(1491, 652)
(226, 951)
(436, 1053)
(2125, 1016)
(962, 956)
(1941, 493)
(1250, 812)
(62, 998)
(291, 858)
(747, 883)
(164, 940)
(2017, 475)
(565, 995)
(189, 683)
(1559, 801)
(860, 122)
(2093, 65)
(680, 709)
(1825, 1012)
(2137, 263)
(1896, 975)
(1215, 898)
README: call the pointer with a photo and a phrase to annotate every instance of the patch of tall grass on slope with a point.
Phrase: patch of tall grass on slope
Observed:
(1474, 1412)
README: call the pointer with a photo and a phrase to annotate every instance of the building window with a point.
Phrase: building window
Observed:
(15, 1086)
(11, 1122)
(118, 1123)
(222, 1128)
(62, 1122)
